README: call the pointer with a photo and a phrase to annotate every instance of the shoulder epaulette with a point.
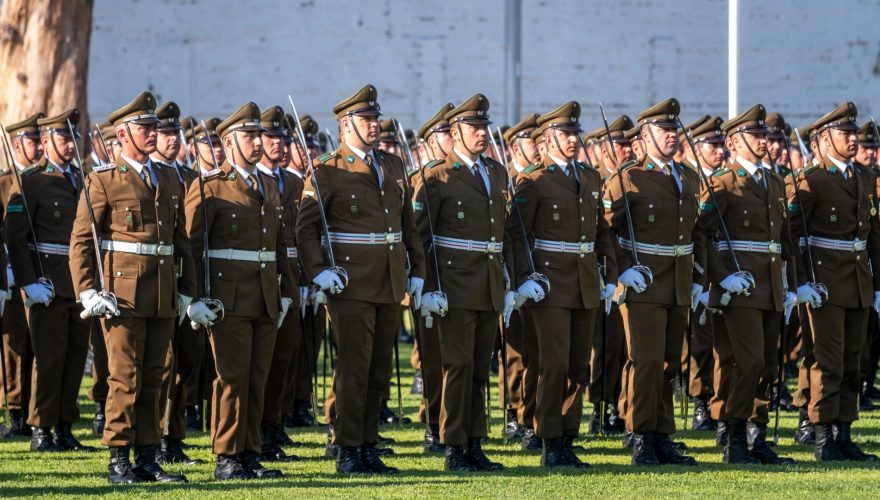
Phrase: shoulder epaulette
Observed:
(326, 156)
(434, 163)
(531, 168)
(160, 164)
(28, 171)
(629, 164)
(721, 171)
(586, 166)
(807, 170)
(212, 174)
(412, 172)
(103, 168)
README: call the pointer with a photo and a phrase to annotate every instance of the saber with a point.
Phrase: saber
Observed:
(103, 144)
(43, 279)
(330, 139)
(339, 271)
(820, 288)
(746, 275)
(503, 374)
(99, 268)
(644, 270)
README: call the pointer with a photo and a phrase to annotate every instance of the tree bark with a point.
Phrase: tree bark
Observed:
(44, 49)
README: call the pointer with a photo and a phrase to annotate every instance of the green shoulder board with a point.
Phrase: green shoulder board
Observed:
(629, 164)
(434, 163)
(721, 171)
(30, 170)
(586, 166)
(808, 170)
(531, 168)
(326, 156)
(104, 167)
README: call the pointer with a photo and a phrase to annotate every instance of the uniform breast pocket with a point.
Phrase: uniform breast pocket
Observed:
(354, 201)
(122, 282)
(128, 216)
(462, 213)
(555, 214)
(232, 223)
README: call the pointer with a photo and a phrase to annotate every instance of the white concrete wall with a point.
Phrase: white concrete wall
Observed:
(799, 57)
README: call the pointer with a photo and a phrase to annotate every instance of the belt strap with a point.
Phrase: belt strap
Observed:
(468, 245)
(366, 238)
(51, 248)
(661, 250)
(565, 246)
(291, 252)
(242, 255)
(137, 248)
(749, 246)
(832, 244)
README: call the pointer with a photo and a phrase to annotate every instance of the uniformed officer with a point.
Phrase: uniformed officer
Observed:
(662, 198)
(837, 200)
(276, 145)
(750, 262)
(560, 206)
(436, 134)
(467, 196)
(371, 231)
(19, 357)
(60, 338)
(137, 206)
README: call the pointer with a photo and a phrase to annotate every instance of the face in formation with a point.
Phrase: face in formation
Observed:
(474, 138)
(168, 143)
(246, 146)
(27, 150)
(842, 142)
(59, 147)
(660, 142)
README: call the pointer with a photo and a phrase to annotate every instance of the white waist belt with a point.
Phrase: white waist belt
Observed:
(242, 255)
(51, 248)
(830, 244)
(468, 245)
(749, 246)
(366, 238)
(137, 248)
(662, 250)
(291, 252)
(565, 246)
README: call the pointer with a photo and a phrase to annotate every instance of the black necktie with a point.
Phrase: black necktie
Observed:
(571, 172)
(148, 178)
(368, 159)
(70, 179)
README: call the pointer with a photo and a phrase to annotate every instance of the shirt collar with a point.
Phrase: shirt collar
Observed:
(840, 164)
(139, 167)
(297, 172)
(244, 173)
(659, 163)
(59, 167)
(467, 161)
(19, 165)
(519, 168)
(269, 171)
(558, 162)
(750, 167)
(360, 154)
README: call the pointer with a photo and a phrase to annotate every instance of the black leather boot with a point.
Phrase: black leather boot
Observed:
(331, 450)
(616, 425)
(702, 419)
(171, 452)
(595, 425)
(17, 427)
(667, 453)
(737, 449)
(530, 442)
(386, 416)
(119, 470)
(43, 441)
(628, 440)
(251, 461)
(301, 416)
(370, 458)
(99, 420)
(64, 439)
(826, 446)
(191, 419)
(551, 454)
(348, 461)
(146, 468)
(479, 459)
(643, 450)
(455, 460)
(756, 436)
(721, 433)
(805, 433)
(512, 429)
(230, 467)
(848, 448)
(569, 455)
(270, 450)
(866, 403)
(432, 440)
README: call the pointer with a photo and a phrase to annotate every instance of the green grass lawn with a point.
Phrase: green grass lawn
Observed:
(84, 474)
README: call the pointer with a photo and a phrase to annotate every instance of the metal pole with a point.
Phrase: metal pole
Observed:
(732, 57)
(512, 59)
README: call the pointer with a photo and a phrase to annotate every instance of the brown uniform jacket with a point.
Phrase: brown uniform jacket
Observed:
(355, 203)
(460, 208)
(291, 194)
(551, 209)
(751, 212)
(660, 216)
(840, 209)
(239, 218)
(126, 209)
(51, 200)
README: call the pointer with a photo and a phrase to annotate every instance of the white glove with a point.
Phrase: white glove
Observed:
(200, 314)
(607, 293)
(182, 303)
(633, 279)
(285, 305)
(38, 293)
(509, 304)
(877, 302)
(96, 305)
(531, 290)
(734, 284)
(806, 295)
(434, 303)
(317, 297)
(791, 300)
(414, 289)
(328, 280)
(10, 278)
(704, 299)
(303, 300)
(696, 291)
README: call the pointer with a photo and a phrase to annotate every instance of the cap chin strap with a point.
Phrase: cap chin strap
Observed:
(834, 147)
(742, 134)
(55, 148)
(134, 142)
(437, 142)
(558, 146)
(237, 145)
(24, 151)
(358, 132)
(463, 143)
(653, 139)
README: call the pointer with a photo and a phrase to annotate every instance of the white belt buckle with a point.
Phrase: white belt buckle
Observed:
(262, 256)
(678, 250)
(490, 247)
(858, 246)
(773, 247)
(584, 248)
(389, 237)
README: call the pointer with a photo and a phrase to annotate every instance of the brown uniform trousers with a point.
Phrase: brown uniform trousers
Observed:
(558, 207)
(755, 212)
(431, 365)
(473, 281)
(289, 338)
(366, 314)
(58, 335)
(301, 372)
(245, 215)
(655, 321)
(697, 359)
(129, 209)
(512, 377)
(838, 208)
(17, 350)
(530, 355)
(607, 358)
(801, 396)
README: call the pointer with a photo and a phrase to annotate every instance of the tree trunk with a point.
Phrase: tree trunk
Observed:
(44, 49)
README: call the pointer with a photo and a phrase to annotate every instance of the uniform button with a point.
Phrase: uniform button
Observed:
(546, 263)
(771, 223)
(448, 262)
(493, 238)
(161, 261)
(386, 210)
(583, 238)
(347, 257)
(679, 202)
(263, 265)
(219, 275)
(161, 242)
(233, 216)
(650, 205)
(160, 223)
(681, 219)
(582, 218)
(157, 203)
(264, 229)
(492, 220)
(490, 202)
(389, 228)
(491, 257)
(680, 237)
(580, 200)
(382, 193)
(263, 249)
(582, 256)
(818, 262)
(772, 259)
(118, 273)
(390, 247)
(858, 257)
(555, 206)
(459, 203)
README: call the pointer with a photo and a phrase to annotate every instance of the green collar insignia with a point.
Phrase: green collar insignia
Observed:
(232, 176)
(350, 159)
(741, 173)
(123, 168)
(649, 166)
(456, 166)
